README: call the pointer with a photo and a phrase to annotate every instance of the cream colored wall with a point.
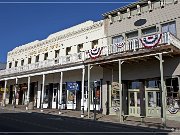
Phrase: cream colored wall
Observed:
(157, 17)
(83, 33)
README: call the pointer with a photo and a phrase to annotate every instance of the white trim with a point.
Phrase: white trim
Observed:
(45, 72)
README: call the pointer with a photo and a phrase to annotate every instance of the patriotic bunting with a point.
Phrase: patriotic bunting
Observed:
(95, 53)
(151, 41)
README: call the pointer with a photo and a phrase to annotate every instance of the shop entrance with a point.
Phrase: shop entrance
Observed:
(134, 102)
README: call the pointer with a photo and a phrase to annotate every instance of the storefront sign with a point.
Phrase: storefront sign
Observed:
(72, 86)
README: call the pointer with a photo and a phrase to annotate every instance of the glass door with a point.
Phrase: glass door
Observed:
(153, 106)
(134, 102)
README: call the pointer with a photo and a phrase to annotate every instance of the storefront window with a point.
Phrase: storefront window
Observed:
(71, 97)
(115, 94)
(172, 87)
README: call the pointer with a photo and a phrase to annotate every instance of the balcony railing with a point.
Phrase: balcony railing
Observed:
(128, 46)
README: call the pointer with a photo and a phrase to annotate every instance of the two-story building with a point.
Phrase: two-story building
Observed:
(142, 68)
(49, 73)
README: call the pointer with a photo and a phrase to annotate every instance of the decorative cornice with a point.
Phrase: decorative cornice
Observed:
(37, 43)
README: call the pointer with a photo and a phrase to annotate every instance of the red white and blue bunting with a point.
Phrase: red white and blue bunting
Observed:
(119, 45)
(151, 41)
(95, 53)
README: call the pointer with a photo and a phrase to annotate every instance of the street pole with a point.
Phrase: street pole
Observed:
(89, 91)
(120, 92)
(82, 97)
(60, 92)
(28, 90)
(4, 96)
(43, 85)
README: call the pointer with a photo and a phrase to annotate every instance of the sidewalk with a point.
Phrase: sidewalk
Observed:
(135, 121)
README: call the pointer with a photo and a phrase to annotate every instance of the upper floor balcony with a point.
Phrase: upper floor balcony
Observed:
(129, 48)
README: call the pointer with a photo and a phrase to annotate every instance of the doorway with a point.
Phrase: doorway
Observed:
(134, 102)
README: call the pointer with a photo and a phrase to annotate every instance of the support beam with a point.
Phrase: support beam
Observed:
(89, 92)
(4, 96)
(60, 92)
(163, 90)
(120, 92)
(15, 93)
(42, 98)
(28, 91)
(82, 95)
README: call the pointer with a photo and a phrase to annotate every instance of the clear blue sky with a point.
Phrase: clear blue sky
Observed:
(21, 23)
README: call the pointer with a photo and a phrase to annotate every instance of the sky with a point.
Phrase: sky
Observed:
(22, 22)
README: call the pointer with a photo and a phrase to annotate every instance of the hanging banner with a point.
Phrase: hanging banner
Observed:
(95, 53)
(151, 41)
(119, 45)
(72, 86)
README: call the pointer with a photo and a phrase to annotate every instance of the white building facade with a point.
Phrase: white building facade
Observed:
(45, 69)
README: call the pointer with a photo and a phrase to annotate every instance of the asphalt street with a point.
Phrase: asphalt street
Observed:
(13, 122)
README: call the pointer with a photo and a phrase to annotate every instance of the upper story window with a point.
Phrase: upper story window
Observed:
(45, 56)
(29, 60)
(56, 53)
(148, 31)
(94, 44)
(37, 58)
(10, 65)
(117, 39)
(68, 50)
(80, 48)
(22, 62)
(131, 35)
(16, 63)
(169, 27)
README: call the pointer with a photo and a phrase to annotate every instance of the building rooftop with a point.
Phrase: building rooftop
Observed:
(124, 8)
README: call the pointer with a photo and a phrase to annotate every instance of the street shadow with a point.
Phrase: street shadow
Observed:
(34, 122)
